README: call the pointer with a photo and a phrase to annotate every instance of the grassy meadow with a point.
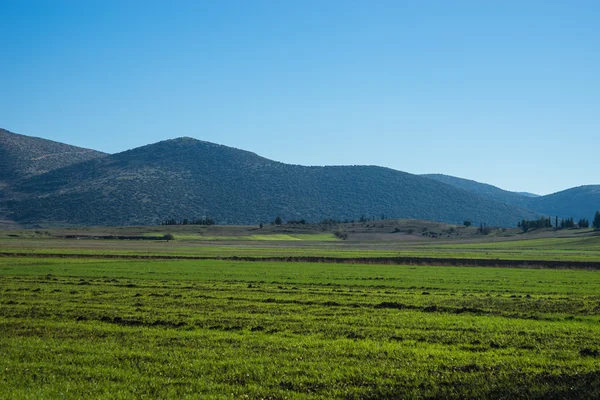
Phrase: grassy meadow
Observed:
(76, 324)
(314, 245)
(93, 328)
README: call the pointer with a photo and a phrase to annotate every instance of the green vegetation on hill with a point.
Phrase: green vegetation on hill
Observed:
(25, 156)
(578, 203)
(45, 183)
(188, 178)
(483, 189)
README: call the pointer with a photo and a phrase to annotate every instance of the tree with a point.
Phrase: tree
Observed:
(341, 235)
(278, 220)
(567, 223)
(596, 222)
(261, 225)
(168, 236)
(541, 223)
(484, 229)
(467, 223)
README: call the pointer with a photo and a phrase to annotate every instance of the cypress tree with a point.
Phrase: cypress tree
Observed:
(596, 222)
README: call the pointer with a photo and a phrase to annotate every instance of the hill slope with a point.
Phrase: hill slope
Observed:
(527, 194)
(188, 178)
(25, 156)
(578, 202)
(483, 189)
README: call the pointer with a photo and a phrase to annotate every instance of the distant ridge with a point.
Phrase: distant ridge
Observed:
(483, 189)
(189, 178)
(578, 202)
(527, 194)
(25, 156)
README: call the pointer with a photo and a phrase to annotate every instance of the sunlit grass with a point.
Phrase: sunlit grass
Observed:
(268, 237)
(81, 328)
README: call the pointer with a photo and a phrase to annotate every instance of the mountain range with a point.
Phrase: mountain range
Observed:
(45, 183)
(578, 202)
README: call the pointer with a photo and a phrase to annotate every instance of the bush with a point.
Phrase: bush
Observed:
(168, 236)
(341, 235)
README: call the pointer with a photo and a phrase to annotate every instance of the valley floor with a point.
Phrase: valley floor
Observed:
(125, 328)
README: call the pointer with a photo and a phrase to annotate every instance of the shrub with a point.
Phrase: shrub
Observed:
(341, 235)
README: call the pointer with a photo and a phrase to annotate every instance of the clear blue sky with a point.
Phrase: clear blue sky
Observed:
(503, 92)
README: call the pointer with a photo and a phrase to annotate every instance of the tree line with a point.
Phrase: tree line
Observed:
(565, 223)
(328, 221)
(186, 221)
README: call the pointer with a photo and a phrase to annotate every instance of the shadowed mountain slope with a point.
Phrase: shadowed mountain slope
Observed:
(190, 178)
(483, 189)
(25, 156)
(578, 202)
(527, 194)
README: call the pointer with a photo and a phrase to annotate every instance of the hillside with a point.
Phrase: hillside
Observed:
(25, 156)
(483, 189)
(527, 194)
(190, 178)
(578, 202)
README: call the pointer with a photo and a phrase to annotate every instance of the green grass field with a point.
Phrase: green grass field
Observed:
(93, 328)
(586, 243)
(316, 245)
(323, 237)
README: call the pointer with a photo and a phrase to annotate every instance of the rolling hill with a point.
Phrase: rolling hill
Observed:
(25, 156)
(578, 202)
(527, 194)
(189, 178)
(483, 189)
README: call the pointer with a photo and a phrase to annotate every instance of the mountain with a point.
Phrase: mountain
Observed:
(578, 202)
(483, 189)
(189, 178)
(527, 194)
(25, 156)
